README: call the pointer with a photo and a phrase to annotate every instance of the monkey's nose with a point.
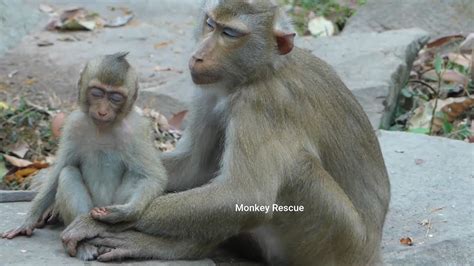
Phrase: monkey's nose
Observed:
(196, 59)
(102, 114)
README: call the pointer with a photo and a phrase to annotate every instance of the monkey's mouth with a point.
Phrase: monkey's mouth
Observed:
(204, 78)
(101, 121)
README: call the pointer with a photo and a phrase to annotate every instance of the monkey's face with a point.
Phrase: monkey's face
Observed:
(235, 43)
(105, 103)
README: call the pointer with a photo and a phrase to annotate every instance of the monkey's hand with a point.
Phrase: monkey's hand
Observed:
(85, 227)
(125, 245)
(50, 216)
(25, 229)
(114, 214)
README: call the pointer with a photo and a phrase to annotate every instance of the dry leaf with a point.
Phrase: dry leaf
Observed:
(448, 75)
(16, 161)
(24, 172)
(444, 40)
(460, 59)
(46, 8)
(118, 21)
(468, 44)
(30, 82)
(177, 119)
(457, 107)
(20, 149)
(160, 69)
(408, 241)
(162, 44)
(419, 161)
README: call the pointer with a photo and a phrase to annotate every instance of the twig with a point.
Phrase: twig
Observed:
(425, 84)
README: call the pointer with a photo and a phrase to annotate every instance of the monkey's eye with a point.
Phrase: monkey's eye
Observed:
(96, 92)
(211, 23)
(116, 98)
(229, 32)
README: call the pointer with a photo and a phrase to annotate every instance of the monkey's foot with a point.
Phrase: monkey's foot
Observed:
(87, 252)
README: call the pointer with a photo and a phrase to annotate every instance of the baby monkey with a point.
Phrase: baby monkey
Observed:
(106, 164)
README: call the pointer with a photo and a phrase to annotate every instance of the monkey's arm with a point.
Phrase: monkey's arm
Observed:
(251, 174)
(47, 192)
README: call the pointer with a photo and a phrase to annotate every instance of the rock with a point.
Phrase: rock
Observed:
(432, 181)
(321, 27)
(438, 17)
(16, 19)
(374, 66)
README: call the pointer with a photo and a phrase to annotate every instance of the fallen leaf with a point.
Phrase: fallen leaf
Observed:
(160, 69)
(437, 209)
(444, 40)
(16, 161)
(419, 161)
(118, 21)
(457, 106)
(24, 172)
(13, 73)
(20, 149)
(177, 119)
(408, 241)
(468, 44)
(44, 43)
(162, 44)
(460, 59)
(46, 8)
(448, 75)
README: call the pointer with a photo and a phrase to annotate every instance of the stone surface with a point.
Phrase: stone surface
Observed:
(16, 19)
(432, 183)
(14, 196)
(45, 248)
(438, 17)
(159, 40)
(374, 66)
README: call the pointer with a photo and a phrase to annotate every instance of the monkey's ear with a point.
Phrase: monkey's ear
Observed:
(285, 41)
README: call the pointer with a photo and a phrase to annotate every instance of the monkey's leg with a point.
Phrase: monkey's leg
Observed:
(133, 244)
(72, 200)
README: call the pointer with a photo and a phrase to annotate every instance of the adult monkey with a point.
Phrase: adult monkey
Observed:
(271, 124)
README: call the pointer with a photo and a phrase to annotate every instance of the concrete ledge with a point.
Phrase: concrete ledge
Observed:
(16, 195)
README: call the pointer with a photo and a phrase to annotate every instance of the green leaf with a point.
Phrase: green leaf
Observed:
(438, 62)
(406, 93)
(447, 127)
(419, 130)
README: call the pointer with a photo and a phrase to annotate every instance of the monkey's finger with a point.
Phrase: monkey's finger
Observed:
(102, 250)
(116, 254)
(107, 242)
(71, 247)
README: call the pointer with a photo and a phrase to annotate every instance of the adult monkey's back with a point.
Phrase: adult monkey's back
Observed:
(271, 124)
